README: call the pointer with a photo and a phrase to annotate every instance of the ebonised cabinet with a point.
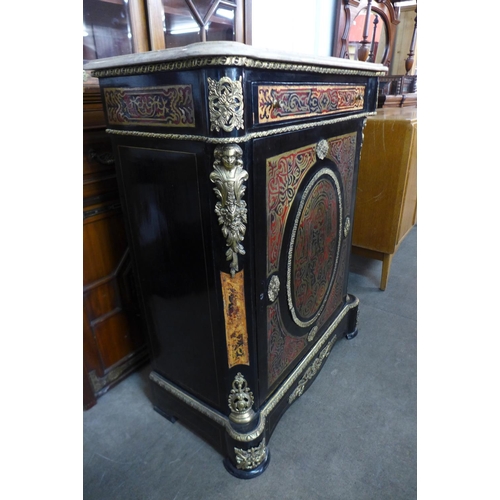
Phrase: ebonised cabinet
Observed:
(237, 170)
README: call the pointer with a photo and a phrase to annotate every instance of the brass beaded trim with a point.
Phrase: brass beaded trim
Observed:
(241, 61)
(230, 140)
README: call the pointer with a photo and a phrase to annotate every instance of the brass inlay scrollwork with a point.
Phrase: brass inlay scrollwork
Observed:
(240, 401)
(251, 458)
(293, 237)
(167, 106)
(311, 371)
(287, 101)
(229, 176)
(225, 103)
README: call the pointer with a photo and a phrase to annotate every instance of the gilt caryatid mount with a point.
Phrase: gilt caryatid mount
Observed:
(229, 177)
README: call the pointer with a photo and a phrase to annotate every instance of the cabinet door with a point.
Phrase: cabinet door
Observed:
(304, 185)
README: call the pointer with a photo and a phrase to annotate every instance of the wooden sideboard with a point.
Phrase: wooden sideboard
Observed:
(113, 340)
(386, 196)
(237, 167)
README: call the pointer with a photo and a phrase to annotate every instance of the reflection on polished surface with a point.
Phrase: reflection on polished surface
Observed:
(200, 20)
(106, 29)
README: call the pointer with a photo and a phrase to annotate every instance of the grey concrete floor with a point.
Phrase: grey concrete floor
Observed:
(351, 436)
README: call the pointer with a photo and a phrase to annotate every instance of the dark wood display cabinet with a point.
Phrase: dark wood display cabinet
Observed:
(237, 170)
(113, 341)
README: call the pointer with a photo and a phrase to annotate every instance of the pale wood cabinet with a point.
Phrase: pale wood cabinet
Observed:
(386, 198)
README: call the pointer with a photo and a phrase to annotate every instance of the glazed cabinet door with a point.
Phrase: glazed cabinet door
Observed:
(305, 185)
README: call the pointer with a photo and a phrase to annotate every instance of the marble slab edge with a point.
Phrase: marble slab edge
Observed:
(227, 49)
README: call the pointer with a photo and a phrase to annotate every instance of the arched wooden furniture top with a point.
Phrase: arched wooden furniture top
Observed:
(347, 10)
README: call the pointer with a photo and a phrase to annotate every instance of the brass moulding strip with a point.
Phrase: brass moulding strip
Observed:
(224, 421)
(245, 138)
(246, 62)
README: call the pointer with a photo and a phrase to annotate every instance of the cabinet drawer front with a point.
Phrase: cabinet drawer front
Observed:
(282, 102)
(164, 106)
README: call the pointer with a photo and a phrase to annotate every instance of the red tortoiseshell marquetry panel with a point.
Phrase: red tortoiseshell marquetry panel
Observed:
(286, 102)
(167, 106)
(315, 248)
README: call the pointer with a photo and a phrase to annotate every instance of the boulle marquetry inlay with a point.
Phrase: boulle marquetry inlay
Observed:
(167, 106)
(285, 102)
(283, 348)
(285, 174)
(233, 297)
(314, 248)
(311, 371)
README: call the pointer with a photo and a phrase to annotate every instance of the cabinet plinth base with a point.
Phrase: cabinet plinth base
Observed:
(169, 417)
(247, 474)
(350, 336)
(245, 448)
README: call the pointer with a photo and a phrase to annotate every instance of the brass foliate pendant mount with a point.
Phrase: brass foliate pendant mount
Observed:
(240, 401)
(229, 177)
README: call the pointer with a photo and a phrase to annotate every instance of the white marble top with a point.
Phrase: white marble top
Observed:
(228, 49)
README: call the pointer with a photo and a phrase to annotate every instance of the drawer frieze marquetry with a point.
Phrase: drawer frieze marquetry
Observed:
(166, 106)
(240, 230)
(285, 102)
